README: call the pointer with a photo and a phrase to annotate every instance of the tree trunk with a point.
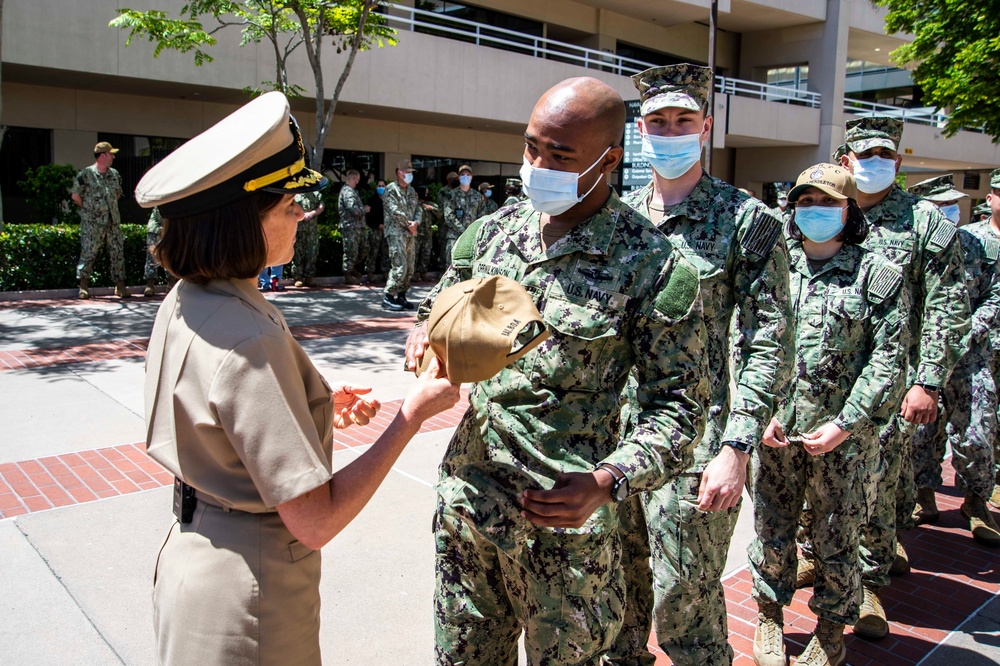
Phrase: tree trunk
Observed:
(355, 46)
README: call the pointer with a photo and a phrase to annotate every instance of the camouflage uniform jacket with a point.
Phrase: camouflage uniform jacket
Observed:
(981, 251)
(851, 343)
(615, 296)
(912, 233)
(738, 248)
(155, 224)
(401, 205)
(350, 208)
(99, 192)
(511, 200)
(460, 210)
(443, 195)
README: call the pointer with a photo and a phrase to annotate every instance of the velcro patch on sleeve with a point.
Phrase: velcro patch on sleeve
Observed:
(465, 247)
(942, 237)
(763, 234)
(680, 291)
(884, 281)
(991, 248)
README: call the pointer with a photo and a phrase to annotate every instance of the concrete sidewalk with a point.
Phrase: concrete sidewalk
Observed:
(76, 572)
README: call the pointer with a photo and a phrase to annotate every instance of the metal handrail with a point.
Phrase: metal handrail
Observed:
(920, 115)
(542, 47)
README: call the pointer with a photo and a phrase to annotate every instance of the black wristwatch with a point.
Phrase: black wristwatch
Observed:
(619, 489)
(929, 387)
(742, 447)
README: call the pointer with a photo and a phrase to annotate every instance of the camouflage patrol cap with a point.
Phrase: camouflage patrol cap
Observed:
(938, 189)
(995, 179)
(686, 86)
(840, 152)
(405, 166)
(833, 179)
(464, 167)
(475, 324)
(514, 182)
(485, 186)
(877, 131)
(982, 209)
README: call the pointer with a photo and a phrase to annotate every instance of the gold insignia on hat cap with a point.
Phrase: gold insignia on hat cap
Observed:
(258, 147)
(832, 179)
(939, 189)
(104, 147)
(474, 327)
(877, 131)
(686, 86)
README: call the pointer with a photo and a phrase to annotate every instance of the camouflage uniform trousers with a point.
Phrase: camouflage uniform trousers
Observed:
(689, 550)
(401, 260)
(356, 248)
(95, 233)
(883, 469)
(832, 484)
(423, 244)
(565, 590)
(152, 238)
(374, 263)
(306, 250)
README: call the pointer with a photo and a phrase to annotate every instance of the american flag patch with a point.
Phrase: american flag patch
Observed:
(762, 235)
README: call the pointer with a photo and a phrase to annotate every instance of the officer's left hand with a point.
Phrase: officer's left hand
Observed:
(350, 408)
(919, 405)
(823, 439)
(722, 481)
(571, 501)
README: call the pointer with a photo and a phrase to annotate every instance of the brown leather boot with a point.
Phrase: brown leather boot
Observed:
(768, 638)
(84, 292)
(994, 499)
(901, 563)
(926, 511)
(826, 647)
(805, 574)
(122, 291)
(984, 528)
(150, 289)
(872, 623)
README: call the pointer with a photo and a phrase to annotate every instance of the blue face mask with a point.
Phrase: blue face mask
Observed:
(874, 174)
(671, 156)
(380, 190)
(465, 180)
(819, 223)
(488, 193)
(952, 212)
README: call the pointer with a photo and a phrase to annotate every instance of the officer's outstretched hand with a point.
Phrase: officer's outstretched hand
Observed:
(350, 408)
(571, 501)
(416, 343)
(723, 480)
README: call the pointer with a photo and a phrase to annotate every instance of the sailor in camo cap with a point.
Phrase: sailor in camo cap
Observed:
(941, 191)
(879, 131)
(686, 86)
(995, 179)
(982, 212)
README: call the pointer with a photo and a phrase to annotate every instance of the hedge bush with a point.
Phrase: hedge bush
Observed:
(44, 256)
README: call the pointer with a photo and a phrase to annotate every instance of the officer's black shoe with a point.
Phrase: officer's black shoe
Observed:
(401, 299)
(390, 303)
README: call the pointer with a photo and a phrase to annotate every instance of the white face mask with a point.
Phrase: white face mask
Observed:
(782, 202)
(407, 178)
(952, 212)
(874, 174)
(554, 192)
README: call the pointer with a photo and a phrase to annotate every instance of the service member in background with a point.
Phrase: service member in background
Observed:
(430, 215)
(513, 191)
(463, 207)
(913, 234)
(402, 217)
(968, 417)
(850, 347)
(307, 239)
(489, 205)
(96, 190)
(375, 221)
(353, 229)
(993, 222)
(616, 297)
(782, 210)
(736, 244)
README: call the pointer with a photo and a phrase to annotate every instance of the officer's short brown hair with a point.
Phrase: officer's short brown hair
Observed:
(220, 244)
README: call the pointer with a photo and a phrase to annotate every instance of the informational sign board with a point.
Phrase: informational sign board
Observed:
(634, 171)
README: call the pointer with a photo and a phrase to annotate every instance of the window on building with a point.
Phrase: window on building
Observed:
(23, 148)
(337, 163)
(451, 16)
(792, 76)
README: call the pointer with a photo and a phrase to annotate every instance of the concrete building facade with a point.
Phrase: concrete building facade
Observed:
(460, 83)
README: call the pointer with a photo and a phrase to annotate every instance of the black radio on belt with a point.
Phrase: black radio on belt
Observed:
(184, 501)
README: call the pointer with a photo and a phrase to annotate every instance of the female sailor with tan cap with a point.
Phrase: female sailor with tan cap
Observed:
(850, 348)
(239, 414)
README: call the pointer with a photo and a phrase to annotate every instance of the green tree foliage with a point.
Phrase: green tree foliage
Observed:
(957, 50)
(284, 24)
(46, 190)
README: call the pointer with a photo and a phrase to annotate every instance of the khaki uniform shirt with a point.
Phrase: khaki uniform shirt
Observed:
(234, 407)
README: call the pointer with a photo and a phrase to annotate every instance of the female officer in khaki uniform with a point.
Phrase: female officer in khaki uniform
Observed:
(238, 413)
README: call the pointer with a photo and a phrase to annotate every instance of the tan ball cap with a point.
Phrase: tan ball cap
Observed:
(475, 324)
(104, 147)
(836, 181)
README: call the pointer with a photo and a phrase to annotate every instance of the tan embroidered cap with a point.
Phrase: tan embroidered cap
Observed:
(480, 326)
